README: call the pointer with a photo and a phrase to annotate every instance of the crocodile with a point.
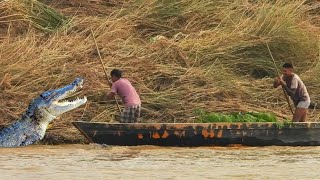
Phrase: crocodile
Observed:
(41, 111)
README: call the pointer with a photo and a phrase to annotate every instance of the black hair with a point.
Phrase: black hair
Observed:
(287, 65)
(116, 73)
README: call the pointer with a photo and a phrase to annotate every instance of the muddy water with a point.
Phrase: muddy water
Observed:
(150, 162)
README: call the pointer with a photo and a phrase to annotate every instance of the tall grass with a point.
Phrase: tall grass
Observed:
(180, 55)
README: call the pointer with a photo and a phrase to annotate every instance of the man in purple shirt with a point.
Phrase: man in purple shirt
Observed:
(123, 88)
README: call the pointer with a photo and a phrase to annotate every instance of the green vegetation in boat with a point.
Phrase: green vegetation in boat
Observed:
(211, 117)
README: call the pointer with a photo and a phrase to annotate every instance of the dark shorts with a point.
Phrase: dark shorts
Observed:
(130, 114)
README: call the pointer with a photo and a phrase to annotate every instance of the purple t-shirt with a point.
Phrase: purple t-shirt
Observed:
(126, 91)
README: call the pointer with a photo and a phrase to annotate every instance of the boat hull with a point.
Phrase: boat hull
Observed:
(201, 134)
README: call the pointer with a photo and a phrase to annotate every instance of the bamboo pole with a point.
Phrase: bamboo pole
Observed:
(104, 69)
(276, 69)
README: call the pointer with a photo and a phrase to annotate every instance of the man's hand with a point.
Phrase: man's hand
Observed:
(278, 81)
(281, 82)
(108, 96)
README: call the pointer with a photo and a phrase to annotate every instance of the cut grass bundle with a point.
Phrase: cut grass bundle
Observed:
(34, 12)
(180, 55)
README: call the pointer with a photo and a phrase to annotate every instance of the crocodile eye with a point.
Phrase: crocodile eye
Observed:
(48, 95)
(44, 97)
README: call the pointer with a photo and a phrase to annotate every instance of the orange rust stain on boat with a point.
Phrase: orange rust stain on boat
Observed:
(219, 135)
(140, 136)
(211, 134)
(165, 134)
(155, 135)
(157, 126)
(179, 126)
(205, 133)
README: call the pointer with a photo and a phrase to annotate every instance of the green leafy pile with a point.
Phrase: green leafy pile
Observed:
(209, 117)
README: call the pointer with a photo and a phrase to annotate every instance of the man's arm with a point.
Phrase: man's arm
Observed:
(290, 90)
(112, 93)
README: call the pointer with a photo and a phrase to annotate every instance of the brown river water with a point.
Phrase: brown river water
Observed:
(151, 162)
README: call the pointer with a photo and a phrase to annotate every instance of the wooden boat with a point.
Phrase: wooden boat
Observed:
(201, 134)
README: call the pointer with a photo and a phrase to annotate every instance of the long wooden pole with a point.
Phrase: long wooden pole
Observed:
(104, 69)
(276, 69)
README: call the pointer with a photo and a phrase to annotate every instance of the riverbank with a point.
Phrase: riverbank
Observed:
(180, 55)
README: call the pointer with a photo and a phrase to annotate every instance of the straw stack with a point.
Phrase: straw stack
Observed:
(181, 55)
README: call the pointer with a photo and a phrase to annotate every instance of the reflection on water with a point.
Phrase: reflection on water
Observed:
(150, 162)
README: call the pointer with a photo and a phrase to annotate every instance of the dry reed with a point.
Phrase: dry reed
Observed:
(180, 55)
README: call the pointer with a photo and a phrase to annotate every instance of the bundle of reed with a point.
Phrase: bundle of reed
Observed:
(31, 12)
(180, 56)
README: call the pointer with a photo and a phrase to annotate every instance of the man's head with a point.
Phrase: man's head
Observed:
(287, 69)
(115, 74)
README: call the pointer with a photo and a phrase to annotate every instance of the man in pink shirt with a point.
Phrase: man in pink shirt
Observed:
(129, 96)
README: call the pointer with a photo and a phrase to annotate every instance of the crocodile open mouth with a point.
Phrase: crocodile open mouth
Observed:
(63, 98)
(66, 98)
(75, 102)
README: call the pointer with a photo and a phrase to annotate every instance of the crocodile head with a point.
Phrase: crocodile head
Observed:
(53, 103)
(41, 111)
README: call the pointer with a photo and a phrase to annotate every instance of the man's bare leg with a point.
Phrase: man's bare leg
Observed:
(298, 115)
(304, 117)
